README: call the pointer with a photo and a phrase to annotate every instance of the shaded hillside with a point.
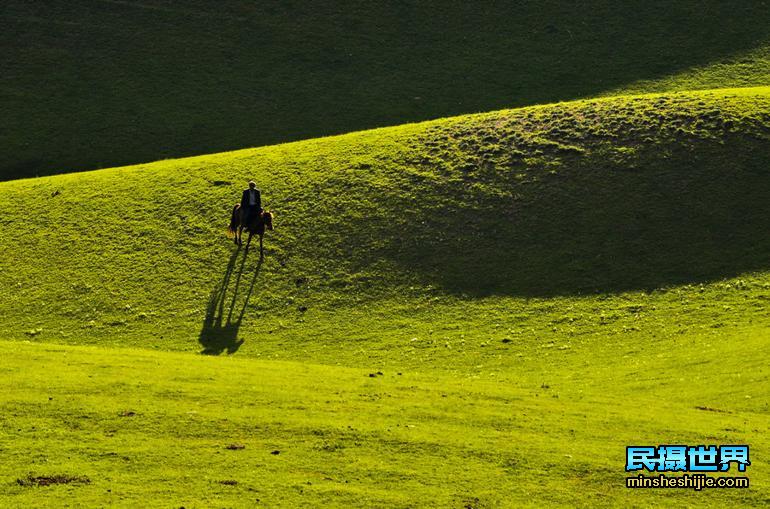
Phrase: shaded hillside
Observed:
(92, 83)
(628, 194)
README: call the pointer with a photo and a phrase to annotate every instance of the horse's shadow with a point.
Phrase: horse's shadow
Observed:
(221, 325)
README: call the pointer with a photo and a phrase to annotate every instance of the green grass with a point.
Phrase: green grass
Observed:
(153, 429)
(579, 209)
(554, 283)
(747, 69)
(92, 84)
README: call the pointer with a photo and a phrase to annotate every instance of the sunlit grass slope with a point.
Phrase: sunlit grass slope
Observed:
(743, 68)
(628, 213)
(157, 429)
(91, 83)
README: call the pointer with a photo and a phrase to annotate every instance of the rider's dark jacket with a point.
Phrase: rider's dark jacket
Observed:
(245, 200)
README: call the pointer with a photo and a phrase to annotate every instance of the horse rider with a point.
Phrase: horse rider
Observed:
(251, 203)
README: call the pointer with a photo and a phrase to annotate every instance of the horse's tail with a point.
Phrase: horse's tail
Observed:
(234, 220)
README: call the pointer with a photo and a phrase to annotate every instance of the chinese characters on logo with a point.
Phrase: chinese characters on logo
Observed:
(685, 458)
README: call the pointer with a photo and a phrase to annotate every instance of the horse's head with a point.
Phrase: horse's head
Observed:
(267, 218)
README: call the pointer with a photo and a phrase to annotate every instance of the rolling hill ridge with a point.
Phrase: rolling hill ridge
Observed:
(95, 83)
(565, 201)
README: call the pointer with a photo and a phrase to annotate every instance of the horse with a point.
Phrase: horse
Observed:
(258, 224)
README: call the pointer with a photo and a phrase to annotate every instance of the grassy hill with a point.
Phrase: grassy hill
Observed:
(521, 208)
(95, 83)
(551, 283)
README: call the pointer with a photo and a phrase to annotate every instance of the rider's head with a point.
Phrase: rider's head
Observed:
(252, 184)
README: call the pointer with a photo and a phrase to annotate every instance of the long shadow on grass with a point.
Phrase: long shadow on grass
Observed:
(221, 326)
(691, 215)
(694, 217)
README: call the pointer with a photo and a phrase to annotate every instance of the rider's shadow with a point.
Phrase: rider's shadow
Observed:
(221, 325)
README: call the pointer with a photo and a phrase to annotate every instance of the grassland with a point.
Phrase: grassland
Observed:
(94, 84)
(169, 430)
(552, 283)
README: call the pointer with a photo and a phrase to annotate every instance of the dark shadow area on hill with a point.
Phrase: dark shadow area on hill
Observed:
(690, 215)
(111, 83)
(221, 325)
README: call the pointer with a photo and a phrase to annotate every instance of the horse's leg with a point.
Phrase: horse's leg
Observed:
(261, 252)
(248, 241)
(240, 235)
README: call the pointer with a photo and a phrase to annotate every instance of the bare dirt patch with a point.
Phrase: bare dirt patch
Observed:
(48, 480)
